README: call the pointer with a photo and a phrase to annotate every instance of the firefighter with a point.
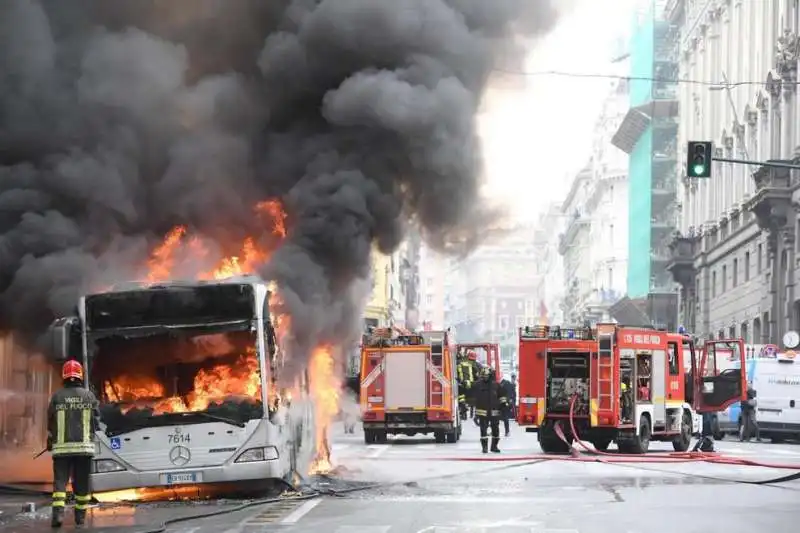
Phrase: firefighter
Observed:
(510, 393)
(749, 426)
(72, 419)
(472, 360)
(489, 404)
(466, 378)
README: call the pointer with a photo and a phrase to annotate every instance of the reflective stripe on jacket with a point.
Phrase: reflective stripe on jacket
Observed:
(73, 418)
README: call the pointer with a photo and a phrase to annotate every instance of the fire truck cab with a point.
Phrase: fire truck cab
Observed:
(408, 386)
(622, 384)
(488, 354)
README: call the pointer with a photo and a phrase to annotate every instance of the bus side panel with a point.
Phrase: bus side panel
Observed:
(531, 378)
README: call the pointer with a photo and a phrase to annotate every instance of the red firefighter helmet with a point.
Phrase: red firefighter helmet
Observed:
(472, 356)
(72, 370)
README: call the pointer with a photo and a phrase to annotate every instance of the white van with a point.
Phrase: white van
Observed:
(777, 385)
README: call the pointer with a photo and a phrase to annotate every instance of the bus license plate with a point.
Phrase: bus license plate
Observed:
(182, 478)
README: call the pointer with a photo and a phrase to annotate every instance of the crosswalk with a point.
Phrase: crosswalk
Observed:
(499, 528)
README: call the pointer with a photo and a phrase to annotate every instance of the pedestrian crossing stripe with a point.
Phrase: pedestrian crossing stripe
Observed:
(500, 528)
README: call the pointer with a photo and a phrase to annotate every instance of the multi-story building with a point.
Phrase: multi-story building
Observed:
(648, 134)
(492, 292)
(376, 314)
(735, 258)
(549, 293)
(594, 243)
(433, 274)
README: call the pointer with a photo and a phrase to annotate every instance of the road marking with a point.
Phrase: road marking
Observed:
(377, 452)
(362, 529)
(782, 452)
(240, 527)
(301, 511)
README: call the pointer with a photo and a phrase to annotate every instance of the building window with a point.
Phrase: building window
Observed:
(735, 273)
(724, 278)
(611, 235)
(747, 266)
(520, 321)
(760, 258)
(732, 332)
(610, 279)
(502, 322)
(429, 299)
(714, 284)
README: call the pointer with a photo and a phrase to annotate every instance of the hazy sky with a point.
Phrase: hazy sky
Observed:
(535, 139)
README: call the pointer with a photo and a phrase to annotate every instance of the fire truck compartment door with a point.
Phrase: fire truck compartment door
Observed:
(659, 389)
(405, 380)
(718, 390)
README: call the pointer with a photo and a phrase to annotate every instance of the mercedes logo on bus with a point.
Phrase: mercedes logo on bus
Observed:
(180, 455)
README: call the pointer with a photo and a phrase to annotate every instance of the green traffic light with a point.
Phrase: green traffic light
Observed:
(698, 169)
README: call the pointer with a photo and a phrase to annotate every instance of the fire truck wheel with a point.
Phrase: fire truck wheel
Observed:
(369, 436)
(601, 445)
(549, 441)
(439, 436)
(451, 436)
(641, 442)
(381, 437)
(682, 442)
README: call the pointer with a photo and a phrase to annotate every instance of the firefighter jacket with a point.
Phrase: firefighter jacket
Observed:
(490, 400)
(465, 374)
(72, 419)
(510, 393)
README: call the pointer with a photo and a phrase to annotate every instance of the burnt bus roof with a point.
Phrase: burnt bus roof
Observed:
(129, 286)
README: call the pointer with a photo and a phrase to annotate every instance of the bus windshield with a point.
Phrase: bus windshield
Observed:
(176, 377)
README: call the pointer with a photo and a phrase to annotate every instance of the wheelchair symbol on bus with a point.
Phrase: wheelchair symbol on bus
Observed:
(116, 443)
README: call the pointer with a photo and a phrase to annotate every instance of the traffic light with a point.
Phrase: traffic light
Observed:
(698, 164)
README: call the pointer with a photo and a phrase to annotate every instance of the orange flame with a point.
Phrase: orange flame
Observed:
(325, 387)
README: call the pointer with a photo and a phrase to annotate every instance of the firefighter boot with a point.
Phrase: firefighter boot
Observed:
(80, 517)
(57, 518)
(485, 444)
(495, 444)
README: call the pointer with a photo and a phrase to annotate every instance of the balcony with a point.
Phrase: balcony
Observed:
(684, 248)
(664, 222)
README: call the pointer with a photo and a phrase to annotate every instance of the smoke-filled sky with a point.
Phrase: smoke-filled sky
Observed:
(120, 119)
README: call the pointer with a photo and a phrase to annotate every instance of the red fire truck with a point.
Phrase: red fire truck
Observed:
(408, 386)
(623, 384)
(488, 354)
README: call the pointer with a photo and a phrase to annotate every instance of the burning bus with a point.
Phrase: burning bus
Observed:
(187, 378)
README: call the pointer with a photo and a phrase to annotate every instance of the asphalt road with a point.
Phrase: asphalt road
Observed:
(435, 488)
(427, 493)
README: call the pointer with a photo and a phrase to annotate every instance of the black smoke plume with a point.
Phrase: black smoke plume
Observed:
(120, 119)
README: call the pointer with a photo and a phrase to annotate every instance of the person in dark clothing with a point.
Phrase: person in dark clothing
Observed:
(72, 419)
(466, 377)
(706, 442)
(489, 404)
(510, 394)
(749, 426)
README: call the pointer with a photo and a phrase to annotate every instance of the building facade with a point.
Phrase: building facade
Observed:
(433, 273)
(493, 291)
(735, 257)
(594, 244)
(549, 292)
(648, 134)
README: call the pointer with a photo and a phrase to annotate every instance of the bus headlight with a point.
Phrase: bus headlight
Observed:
(103, 466)
(267, 453)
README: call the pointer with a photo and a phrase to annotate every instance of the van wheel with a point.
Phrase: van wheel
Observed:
(682, 442)
(641, 442)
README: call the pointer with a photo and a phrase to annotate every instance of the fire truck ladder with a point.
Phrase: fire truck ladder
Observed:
(605, 371)
(437, 362)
